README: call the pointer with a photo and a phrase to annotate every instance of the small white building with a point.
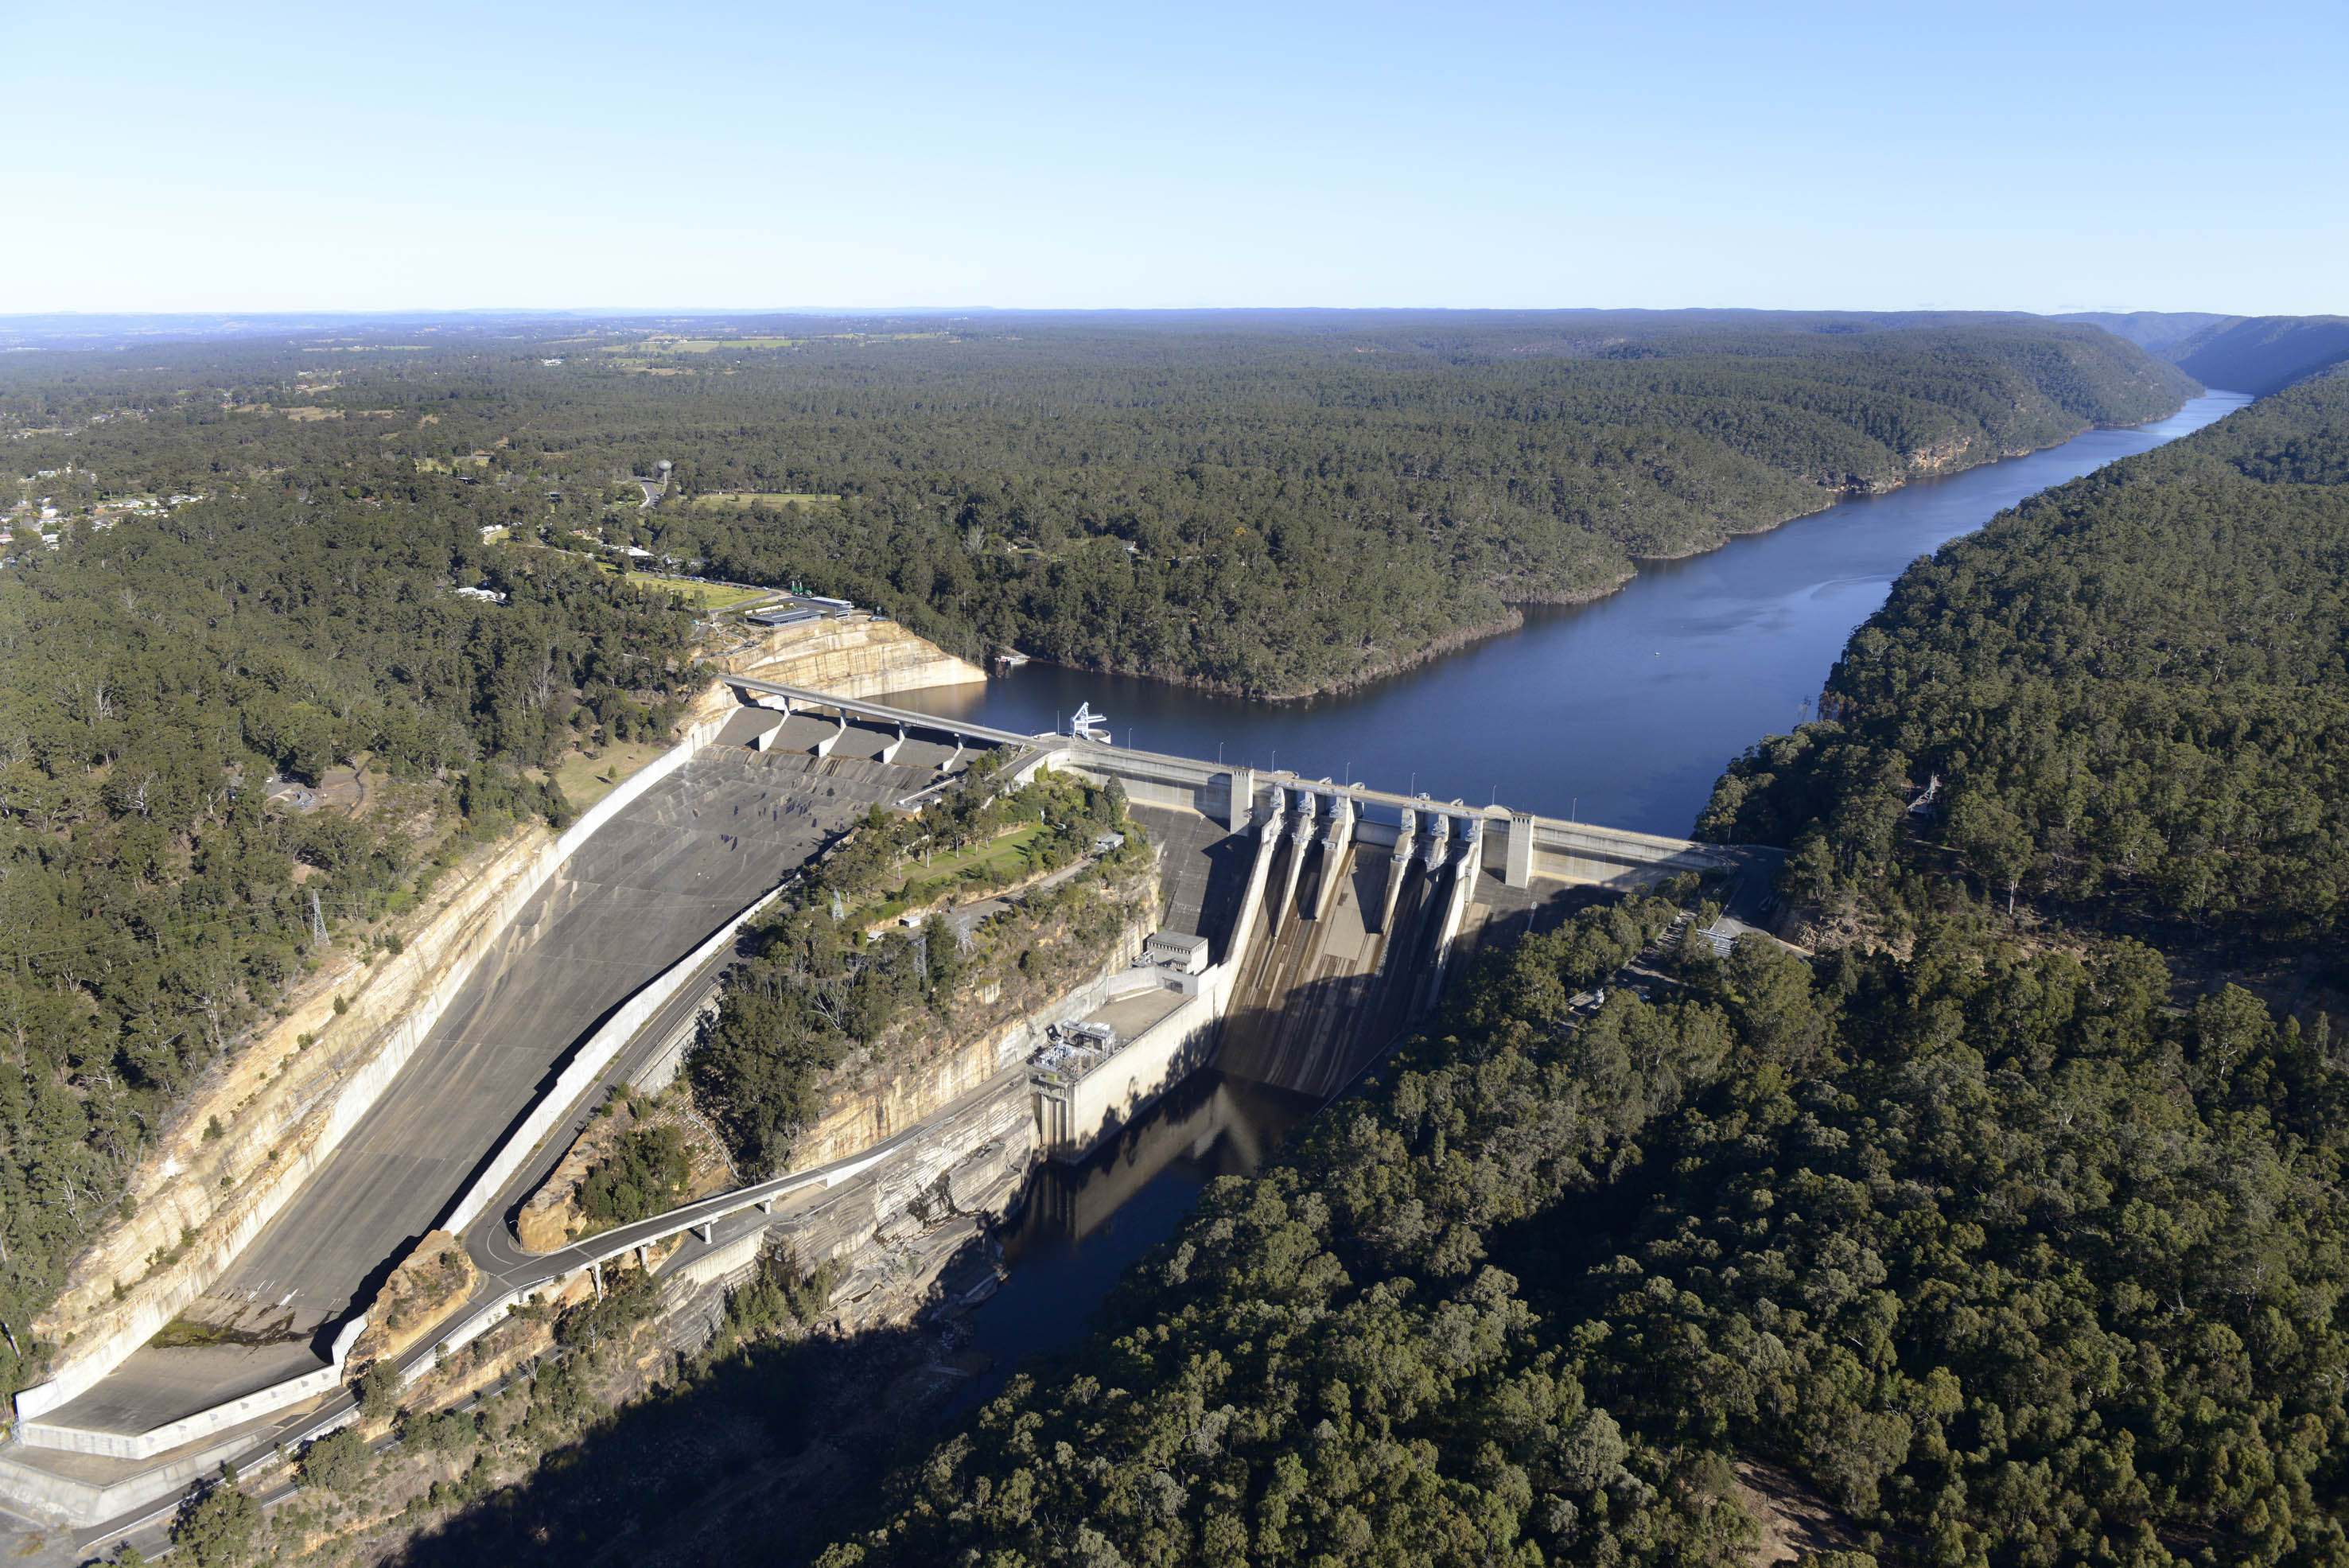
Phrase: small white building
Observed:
(1177, 951)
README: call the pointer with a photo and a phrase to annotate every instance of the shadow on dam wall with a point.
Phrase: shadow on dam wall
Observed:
(1317, 998)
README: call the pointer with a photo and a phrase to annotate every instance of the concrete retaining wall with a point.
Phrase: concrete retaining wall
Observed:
(588, 1064)
(220, 1418)
(44, 1494)
(1073, 1118)
(660, 1072)
(484, 920)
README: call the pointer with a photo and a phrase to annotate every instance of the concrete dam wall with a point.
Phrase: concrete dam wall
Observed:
(1325, 918)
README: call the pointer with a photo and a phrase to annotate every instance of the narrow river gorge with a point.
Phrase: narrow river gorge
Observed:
(1622, 711)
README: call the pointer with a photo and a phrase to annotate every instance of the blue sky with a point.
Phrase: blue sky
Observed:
(1889, 156)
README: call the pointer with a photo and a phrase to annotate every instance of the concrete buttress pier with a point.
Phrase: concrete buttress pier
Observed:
(1312, 971)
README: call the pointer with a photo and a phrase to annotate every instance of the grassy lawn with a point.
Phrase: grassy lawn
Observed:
(702, 596)
(1001, 856)
(586, 782)
(710, 344)
(715, 595)
(699, 345)
(1004, 859)
(754, 497)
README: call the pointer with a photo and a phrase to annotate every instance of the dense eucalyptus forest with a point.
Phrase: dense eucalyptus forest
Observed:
(1273, 511)
(2133, 691)
(156, 676)
(1931, 1223)
(2001, 1236)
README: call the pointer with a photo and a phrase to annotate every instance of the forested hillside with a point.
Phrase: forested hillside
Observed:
(295, 622)
(2004, 1242)
(2154, 331)
(2133, 690)
(2263, 353)
(2003, 1263)
(1272, 510)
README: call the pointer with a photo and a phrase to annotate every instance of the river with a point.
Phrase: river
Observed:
(1622, 711)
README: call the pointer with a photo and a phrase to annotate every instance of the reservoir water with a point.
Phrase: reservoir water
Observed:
(1622, 711)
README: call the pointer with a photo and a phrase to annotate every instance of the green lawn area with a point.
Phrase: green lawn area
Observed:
(715, 595)
(701, 595)
(699, 345)
(1004, 859)
(710, 344)
(754, 497)
(586, 782)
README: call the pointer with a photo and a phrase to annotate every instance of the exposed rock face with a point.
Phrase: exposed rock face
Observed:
(434, 1275)
(200, 1196)
(924, 1065)
(910, 1238)
(552, 1216)
(1941, 456)
(847, 658)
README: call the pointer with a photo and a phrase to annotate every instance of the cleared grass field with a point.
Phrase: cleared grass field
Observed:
(754, 497)
(718, 595)
(998, 862)
(700, 345)
(1002, 856)
(701, 595)
(585, 780)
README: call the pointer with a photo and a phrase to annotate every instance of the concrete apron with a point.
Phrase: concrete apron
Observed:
(86, 1371)
(1187, 782)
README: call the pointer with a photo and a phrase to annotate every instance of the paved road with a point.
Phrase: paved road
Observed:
(681, 861)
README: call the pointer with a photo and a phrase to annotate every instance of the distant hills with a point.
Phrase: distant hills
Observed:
(2263, 354)
(2153, 331)
(2257, 353)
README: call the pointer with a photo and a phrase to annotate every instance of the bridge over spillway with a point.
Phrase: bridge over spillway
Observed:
(1334, 912)
(1329, 917)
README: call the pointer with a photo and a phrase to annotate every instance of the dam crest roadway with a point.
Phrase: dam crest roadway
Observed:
(1324, 918)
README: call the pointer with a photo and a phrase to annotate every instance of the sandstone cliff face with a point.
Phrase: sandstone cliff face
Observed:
(1943, 456)
(552, 1216)
(848, 657)
(927, 1064)
(283, 1107)
(199, 1198)
(908, 1237)
(436, 1274)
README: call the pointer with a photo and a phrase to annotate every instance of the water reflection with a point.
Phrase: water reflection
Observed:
(1085, 1224)
(1622, 711)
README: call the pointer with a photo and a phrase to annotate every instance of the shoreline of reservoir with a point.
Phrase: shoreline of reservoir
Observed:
(1620, 710)
(1514, 617)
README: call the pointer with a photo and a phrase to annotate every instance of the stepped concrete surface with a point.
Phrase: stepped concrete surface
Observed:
(654, 883)
(1332, 913)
